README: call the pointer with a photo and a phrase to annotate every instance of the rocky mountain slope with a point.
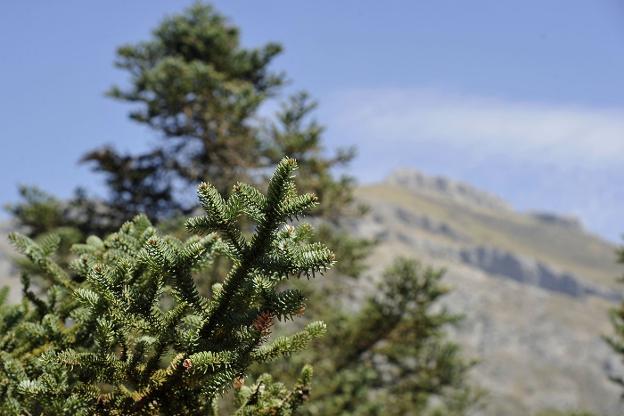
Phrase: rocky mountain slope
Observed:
(535, 289)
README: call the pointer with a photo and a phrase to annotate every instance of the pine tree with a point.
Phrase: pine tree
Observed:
(125, 330)
(199, 89)
(392, 356)
(616, 339)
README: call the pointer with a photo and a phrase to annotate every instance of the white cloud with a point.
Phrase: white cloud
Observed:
(523, 130)
(557, 157)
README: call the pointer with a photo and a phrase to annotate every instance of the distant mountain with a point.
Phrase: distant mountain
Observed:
(535, 289)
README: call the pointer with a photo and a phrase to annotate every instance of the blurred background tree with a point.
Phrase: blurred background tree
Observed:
(201, 91)
(616, 339)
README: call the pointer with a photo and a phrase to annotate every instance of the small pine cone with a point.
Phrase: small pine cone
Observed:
(263, 323)
(304, 393)
(103, 399)
(187, 363)
(300, 311)
(239, 382)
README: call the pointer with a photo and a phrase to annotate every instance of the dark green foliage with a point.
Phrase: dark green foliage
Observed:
(616, 340)
(196, 85)
(199, 89)
(137, 184)
(266, 397)
(49, 220)
(133, 335)
(39, 213)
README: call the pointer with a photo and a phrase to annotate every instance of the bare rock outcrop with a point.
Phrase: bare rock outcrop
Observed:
(531, 272)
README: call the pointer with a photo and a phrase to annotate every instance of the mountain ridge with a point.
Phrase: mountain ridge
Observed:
(535, 289)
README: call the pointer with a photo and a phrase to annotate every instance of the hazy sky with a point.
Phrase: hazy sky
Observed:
(522, 98)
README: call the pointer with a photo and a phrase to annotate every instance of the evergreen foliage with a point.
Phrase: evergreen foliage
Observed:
(125, 331)
(616, 339)
(392, 356)
(266, 397)
(200, 90)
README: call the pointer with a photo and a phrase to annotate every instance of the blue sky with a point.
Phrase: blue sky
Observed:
(522, 98)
